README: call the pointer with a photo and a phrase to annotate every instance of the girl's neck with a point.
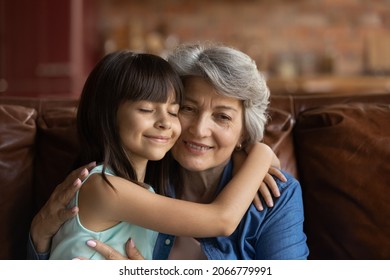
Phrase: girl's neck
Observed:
(140, 169)
(200, 186)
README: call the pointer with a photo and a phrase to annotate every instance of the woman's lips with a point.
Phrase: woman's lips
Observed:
(197, 148)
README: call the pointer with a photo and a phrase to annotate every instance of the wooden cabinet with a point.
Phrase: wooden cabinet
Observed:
(47, 47)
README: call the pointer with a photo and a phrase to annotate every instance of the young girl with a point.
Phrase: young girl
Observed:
(127, 116)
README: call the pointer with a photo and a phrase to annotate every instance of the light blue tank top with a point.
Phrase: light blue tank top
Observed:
(70, 241)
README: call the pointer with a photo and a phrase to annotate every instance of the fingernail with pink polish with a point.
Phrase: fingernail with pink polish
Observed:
(77, 182)
(132, 245)
(91, 243)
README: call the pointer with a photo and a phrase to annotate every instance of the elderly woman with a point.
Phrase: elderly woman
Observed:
(224, 110)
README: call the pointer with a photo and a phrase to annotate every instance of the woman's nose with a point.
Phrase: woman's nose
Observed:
(200, 127)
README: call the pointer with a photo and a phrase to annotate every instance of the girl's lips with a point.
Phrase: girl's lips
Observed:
(160, 139)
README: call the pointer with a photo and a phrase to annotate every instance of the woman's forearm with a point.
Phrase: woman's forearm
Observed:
(40, 237)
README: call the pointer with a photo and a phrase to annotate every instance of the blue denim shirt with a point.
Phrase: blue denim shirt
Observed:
(273, 234)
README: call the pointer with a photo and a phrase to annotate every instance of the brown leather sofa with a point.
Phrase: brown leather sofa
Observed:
(338, 146)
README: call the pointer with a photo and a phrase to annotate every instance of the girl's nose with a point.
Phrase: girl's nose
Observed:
(163, 123)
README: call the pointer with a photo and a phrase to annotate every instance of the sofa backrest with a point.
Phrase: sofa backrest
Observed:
(343, 157)
(337, 146)
(37, 145)
(17, 148)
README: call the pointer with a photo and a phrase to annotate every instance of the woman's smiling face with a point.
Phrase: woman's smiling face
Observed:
(212, 126)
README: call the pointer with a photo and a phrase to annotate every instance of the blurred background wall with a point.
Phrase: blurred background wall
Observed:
(49, 46)
(342, 37)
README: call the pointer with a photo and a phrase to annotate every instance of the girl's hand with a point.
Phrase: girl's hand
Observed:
(268, 188)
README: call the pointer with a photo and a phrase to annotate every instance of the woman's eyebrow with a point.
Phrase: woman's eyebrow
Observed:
(220, 107)
(224, 107)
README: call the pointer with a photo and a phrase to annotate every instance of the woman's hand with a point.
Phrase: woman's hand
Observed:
(111, 254)
(54, 213)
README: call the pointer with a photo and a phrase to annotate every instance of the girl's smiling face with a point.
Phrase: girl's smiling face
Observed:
(148, 129)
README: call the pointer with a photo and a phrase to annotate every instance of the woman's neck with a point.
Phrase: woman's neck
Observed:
(200, 186)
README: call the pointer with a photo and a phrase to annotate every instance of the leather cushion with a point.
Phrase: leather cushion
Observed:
(343, 154)
(57, 150)
(17, 138)
(278, 135)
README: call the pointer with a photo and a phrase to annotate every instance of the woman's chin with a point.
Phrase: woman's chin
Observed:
(191, 165)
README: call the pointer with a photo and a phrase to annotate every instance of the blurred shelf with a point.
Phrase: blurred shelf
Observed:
(329, 85)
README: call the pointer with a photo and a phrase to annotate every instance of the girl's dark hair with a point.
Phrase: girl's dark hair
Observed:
(122, 76)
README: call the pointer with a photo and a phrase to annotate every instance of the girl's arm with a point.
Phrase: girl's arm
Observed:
(131, 203)
(268, 186)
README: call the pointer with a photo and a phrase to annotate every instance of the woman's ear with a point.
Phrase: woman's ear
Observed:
(238, 147)
(242, 141)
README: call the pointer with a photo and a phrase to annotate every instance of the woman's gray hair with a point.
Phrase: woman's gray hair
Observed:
(233, 74)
